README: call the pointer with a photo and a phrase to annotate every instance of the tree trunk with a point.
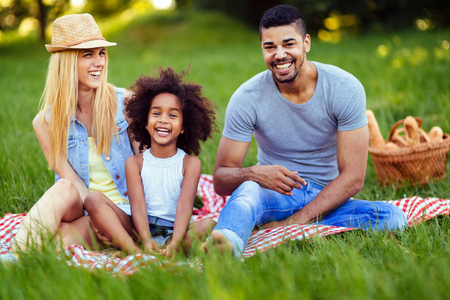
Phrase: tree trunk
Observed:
(42, 19)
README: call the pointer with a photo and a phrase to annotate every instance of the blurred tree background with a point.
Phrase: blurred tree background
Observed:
(366, 14)
(24, 15)
(329, 19)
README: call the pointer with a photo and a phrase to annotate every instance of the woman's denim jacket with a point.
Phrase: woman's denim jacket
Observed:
(78, 152)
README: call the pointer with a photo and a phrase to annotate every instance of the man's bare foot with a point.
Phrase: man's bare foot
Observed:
(217, 242)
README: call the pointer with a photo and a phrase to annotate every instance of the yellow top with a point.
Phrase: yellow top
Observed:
(99, 177)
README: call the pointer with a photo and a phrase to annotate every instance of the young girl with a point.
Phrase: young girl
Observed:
(169, 118)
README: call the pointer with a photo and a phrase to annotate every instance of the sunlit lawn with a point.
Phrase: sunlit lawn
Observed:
(404, 73)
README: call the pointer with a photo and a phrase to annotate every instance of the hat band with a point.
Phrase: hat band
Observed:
(83, 41)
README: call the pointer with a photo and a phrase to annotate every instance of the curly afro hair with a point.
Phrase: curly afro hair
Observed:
(198, 111)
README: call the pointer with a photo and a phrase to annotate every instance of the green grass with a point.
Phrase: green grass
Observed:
(412, 79)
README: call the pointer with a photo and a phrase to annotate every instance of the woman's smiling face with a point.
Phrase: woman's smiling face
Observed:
(91, 63)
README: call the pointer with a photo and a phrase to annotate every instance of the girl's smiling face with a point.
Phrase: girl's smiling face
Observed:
(165, 120)
(91, 63)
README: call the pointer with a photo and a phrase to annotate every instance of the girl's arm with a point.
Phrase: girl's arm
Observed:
(192, 172)
(135, 189)
(64, 169)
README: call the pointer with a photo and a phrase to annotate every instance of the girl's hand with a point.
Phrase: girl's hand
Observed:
(151, 246)
(170, 250)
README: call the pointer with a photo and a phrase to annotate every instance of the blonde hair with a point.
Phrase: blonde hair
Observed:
(59, 102)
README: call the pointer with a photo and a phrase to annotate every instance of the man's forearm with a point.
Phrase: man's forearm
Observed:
(328, 200)
(273, 177)
(226, 179)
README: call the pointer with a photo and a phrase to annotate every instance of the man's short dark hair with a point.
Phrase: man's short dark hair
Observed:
(282, 15)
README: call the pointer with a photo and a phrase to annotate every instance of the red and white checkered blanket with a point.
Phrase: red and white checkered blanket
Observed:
(417, 210)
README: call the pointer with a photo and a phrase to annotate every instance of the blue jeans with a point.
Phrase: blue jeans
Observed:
(251, 205)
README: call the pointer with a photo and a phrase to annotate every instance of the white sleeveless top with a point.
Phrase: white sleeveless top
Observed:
(162, 179)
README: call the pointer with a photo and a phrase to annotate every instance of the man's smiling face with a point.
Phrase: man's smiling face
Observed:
(284, 50)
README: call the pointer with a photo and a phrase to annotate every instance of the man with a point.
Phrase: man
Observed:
(309, 121)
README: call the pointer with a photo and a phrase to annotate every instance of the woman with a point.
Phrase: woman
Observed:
(82, 131)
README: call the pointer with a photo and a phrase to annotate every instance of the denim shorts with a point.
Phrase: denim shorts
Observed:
(160, 227)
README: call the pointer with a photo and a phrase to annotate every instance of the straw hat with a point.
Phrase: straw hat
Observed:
(76, 32)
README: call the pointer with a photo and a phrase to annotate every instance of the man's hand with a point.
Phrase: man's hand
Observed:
(229, 173)
(277, 178)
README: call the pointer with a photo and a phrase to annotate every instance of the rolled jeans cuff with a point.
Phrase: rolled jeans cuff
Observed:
(236, 241)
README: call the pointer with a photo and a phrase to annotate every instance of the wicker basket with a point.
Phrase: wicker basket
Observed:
(412, 165)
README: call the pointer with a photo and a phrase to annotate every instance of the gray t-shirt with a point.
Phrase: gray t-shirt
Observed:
(300, 137)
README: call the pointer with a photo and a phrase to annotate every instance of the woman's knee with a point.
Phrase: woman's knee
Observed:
(63, 196)
(66, 189)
